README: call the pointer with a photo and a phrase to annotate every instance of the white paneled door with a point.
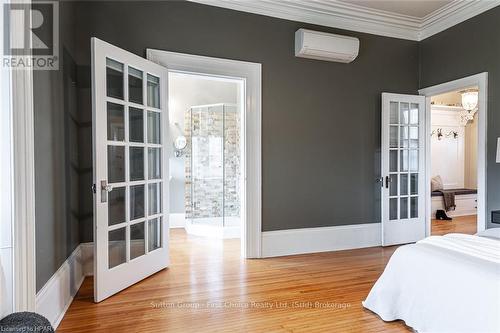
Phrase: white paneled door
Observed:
(129, 96)
(403, 168)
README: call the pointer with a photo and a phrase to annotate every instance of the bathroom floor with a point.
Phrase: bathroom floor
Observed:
(459, 224)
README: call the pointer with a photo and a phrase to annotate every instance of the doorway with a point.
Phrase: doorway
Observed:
(456, 155)
(206, 182)
(248, 75)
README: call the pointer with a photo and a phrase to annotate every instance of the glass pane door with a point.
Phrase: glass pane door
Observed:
(402, 167)
(403, 160)
(129, 120)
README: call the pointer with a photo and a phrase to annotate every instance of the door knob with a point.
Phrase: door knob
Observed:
(105, 188)
(387, 181)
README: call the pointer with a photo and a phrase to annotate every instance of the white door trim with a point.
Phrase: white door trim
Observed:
(480, 80)
(251, 73)
(23, 181)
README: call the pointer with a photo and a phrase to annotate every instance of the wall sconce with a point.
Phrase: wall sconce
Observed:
(180, 144)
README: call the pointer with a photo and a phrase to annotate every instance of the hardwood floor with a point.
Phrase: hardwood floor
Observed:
(460, 224)
(209, 288)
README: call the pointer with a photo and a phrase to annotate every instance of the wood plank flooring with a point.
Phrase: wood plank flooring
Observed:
(460, 224)
(209, 288)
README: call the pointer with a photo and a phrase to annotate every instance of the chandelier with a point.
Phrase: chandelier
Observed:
(469, 105)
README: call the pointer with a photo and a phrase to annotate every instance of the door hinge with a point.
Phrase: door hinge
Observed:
(93, 188)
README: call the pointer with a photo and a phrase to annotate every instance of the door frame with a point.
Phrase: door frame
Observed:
(22, 179)
(480, 80)
(251, 74)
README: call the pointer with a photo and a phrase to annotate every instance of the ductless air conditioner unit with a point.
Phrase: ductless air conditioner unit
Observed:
(325, 46)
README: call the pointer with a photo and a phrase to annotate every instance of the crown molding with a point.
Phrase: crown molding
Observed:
(341, 15)
(452, 14)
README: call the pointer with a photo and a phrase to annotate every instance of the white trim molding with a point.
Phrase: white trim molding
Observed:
(251, 74)
(480, 81)
(323, 239)
(54, 299)
(348, 16)
(23, 186)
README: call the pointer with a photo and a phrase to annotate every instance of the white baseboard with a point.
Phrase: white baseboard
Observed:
(310, 240)
(177, 220)
(56, 296)
(87, 258)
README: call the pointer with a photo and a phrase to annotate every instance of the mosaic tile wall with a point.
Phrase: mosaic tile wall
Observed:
(212, 162)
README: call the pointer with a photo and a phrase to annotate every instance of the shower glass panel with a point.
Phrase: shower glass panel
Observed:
(213, 165)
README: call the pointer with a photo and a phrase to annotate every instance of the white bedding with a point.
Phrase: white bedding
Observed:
(442, 284)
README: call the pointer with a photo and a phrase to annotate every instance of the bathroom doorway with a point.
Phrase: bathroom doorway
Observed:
(206, 181)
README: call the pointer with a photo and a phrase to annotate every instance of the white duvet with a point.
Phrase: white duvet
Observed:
(442, 284)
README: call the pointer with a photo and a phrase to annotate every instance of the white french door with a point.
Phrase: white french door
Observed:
(129, 97)
(403, 168)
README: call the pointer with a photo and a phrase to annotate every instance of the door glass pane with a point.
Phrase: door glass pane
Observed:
(413, 137)
(154, 198)
(413, 160)
(116, 164)
(414, 114)
(114, 78)
(393, 136)
(403, 212)
(154, 234)
(153, 91)
(404, 109)
(116, 247)
(116, 206)
(394, 112)
(136, 163)
(136, 125)
(393, 185)
(403, 143)
(154, 130)
(414, 183)
(137, 242)
(393, 161)
(134, 85)
(403, 184)
(403, 155)
(414, 207)
(393, 209)
(154, 163)
(136, 201)
(116, 122)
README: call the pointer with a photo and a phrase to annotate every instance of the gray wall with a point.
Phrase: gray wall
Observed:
(466, 49)
(321, 120)
(56, 156)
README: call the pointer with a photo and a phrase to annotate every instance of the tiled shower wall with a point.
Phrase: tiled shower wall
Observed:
(212, 162)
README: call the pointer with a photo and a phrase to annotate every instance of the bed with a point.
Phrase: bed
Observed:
(442, 284)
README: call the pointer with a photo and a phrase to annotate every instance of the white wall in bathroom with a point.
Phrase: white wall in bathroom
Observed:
(448, 154)
(186, 91)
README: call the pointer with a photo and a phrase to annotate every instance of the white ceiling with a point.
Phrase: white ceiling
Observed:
(413, 8)
(406, 19)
